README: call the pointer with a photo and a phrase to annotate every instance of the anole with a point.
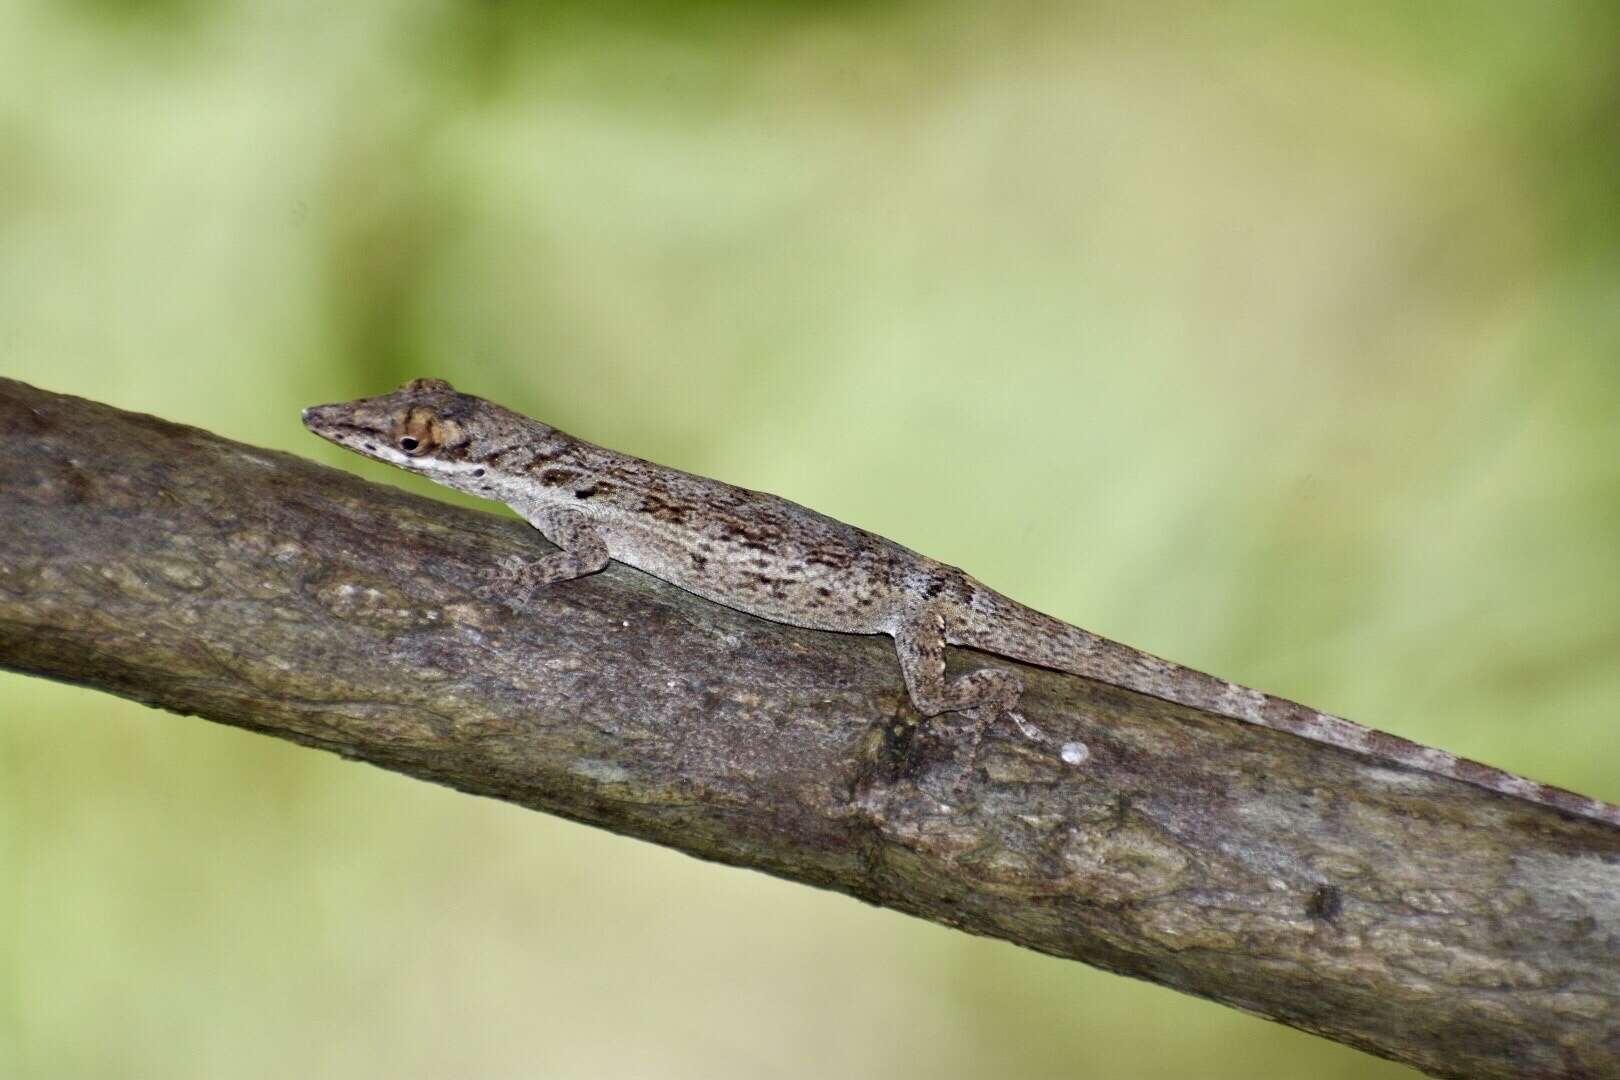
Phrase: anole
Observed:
(773, 558)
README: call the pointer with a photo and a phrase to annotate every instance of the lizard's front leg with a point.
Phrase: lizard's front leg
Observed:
(583, 552)
(983, 695)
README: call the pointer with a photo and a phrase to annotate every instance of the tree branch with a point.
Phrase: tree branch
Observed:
(1415, 917)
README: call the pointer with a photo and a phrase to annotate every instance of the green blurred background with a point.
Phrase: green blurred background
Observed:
(1279, 339)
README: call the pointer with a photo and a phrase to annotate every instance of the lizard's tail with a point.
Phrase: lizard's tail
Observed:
(1005, 627)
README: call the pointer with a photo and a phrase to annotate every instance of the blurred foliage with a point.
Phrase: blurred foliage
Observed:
(1276, 338)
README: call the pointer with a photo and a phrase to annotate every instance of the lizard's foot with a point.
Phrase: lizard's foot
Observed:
(509, 582)
(983, 717)
(580, 552)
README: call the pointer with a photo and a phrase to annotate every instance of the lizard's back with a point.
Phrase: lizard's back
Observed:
(746, 549)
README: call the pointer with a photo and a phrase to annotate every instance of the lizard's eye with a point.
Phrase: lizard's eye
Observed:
(418, 431)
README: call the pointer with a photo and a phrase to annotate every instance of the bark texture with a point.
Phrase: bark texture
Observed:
(1422, 919)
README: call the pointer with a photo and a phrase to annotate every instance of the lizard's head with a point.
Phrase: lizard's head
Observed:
(425, 426)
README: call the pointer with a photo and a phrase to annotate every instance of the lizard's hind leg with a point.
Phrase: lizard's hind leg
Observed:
(983, 694)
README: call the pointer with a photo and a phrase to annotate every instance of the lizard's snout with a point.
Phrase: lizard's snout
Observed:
(317, 416)
(324, 420)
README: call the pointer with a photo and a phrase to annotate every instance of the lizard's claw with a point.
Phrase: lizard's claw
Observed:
(1027, 729)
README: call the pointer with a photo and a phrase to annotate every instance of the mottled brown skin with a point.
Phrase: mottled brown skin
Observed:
(773, 558)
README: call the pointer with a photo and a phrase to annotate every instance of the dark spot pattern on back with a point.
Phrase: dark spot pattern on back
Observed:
(662, 509)
(557, 477)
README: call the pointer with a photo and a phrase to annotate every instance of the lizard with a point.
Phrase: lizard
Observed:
(772, 558)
